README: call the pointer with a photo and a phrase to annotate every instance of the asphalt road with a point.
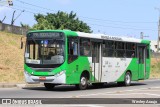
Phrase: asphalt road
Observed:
(141, 89)
(91, 92)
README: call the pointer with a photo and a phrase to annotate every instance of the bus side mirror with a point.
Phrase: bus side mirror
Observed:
(21, 43)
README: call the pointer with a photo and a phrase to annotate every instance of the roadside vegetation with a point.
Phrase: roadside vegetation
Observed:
(155, 68)
(11, 58)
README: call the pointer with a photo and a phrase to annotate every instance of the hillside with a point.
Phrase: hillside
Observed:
(155, 68)
(11, 59)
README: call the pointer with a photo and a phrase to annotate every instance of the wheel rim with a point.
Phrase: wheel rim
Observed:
(83, 81)
(128, 79)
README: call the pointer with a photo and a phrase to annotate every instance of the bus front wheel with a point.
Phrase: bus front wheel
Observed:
(49, 86)
(83, 83)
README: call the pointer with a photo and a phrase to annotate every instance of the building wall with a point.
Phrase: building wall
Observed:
(154, 46)
(13, 29)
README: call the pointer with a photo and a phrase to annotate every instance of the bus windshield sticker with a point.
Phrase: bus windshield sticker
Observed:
(32, 61)
(46, 42)
(26, 55)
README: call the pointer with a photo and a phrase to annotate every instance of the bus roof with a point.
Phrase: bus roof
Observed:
(109, 37)
(96, 36)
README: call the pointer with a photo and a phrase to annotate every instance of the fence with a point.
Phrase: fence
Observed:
(13, 29)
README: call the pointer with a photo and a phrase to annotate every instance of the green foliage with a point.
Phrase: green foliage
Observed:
(60, 20)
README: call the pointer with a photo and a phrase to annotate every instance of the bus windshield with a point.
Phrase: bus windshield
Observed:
(44, 51)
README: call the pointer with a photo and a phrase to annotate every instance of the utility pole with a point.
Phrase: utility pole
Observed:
(141, 36)
(158, 34)
(12, 22)
(158, 30)
(1, 21)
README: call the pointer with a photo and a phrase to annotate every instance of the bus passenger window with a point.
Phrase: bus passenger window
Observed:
(73, 46)
(130, 50)
(85, 45)
(108, 48)
(72, 49)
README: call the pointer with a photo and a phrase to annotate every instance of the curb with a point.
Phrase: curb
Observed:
(19, 85)
(7, 85)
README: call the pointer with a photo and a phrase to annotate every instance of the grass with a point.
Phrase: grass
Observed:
(12, 59)
(155, 68)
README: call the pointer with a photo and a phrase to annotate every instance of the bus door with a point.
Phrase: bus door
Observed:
(96, 61)
(142, 61)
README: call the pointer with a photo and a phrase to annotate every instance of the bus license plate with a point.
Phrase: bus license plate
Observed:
(42, 78)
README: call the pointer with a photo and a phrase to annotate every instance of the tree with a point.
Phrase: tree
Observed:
(60, 20)
(25, 25)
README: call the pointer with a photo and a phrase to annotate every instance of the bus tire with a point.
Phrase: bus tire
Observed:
(49, 86)
(127, 79)
(83, 83)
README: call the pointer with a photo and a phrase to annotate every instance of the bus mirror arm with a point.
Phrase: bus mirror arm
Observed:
(21, 43)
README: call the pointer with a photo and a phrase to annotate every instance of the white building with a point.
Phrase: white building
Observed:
(154, 46)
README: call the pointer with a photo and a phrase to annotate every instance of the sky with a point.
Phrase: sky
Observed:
(111, 17)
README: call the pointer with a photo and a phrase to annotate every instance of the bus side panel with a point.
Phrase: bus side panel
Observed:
(133, 68)
(147, 69)
(114, 68)
(148, 63)
(75, 69)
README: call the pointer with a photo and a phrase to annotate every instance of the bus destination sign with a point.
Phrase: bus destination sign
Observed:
(40, 35)
(111, 38)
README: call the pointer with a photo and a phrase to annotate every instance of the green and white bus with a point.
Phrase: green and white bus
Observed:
(56, 57)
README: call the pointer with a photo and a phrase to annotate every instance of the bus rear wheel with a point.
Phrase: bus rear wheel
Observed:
(83, 83)
(127, 80)
(49, 86)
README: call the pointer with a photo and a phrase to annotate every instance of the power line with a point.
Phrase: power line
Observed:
(89, 23)
(34, 5)
(121, 27)
(29, 8)
(113, 20)
(83, 16)
(110, 23)
(20, 9)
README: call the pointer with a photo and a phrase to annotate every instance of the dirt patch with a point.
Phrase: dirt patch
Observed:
(11, 58)
(155, 68)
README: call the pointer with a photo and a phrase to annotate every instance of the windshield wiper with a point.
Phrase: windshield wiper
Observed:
(34, 40)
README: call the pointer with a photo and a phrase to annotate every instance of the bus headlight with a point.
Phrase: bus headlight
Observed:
(27, 73)
(60, 73)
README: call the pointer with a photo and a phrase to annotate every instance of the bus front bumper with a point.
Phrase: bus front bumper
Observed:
(60, 78)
